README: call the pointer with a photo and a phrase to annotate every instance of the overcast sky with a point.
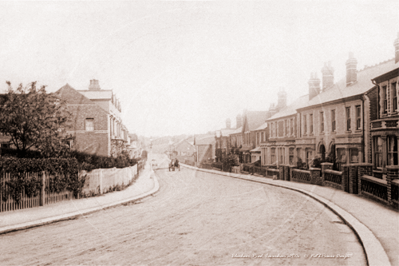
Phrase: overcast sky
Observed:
(184, 67)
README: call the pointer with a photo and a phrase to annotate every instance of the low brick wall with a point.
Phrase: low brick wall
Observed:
(333, 179)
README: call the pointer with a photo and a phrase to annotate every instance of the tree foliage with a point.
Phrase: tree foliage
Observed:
(34, 119)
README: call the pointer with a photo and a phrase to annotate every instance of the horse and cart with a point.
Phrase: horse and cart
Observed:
(174, 164)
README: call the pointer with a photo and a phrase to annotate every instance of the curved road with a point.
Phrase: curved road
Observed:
(195, 219)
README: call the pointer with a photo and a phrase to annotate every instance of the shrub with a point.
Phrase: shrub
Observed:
(63, 174)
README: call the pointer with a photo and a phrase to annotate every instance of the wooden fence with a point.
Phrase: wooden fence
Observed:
(39, 184)
(39, 193)
(7, 201)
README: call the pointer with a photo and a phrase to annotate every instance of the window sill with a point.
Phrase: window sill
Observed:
(348, 131)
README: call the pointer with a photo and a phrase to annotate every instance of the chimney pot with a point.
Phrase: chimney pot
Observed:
(94, 85)
(314, 85)
(351, 71)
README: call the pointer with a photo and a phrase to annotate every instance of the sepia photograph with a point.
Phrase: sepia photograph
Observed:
(199, 132)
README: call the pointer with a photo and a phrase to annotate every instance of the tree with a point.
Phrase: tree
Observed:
(34, 119)
(229, 161)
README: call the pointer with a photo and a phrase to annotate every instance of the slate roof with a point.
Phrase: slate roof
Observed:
(257, 149)
(255, 119)
(97, 95)
(72, 96)
(263, 126)
(291, 109)
(339, 90)
(204, 140)
(224, 132)
(237, 131)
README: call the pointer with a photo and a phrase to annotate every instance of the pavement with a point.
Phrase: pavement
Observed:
(375, 224)
(145, 185)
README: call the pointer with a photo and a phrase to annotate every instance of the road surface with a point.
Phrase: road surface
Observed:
(195, 219)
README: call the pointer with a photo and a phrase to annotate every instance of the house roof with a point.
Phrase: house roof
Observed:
(364, 83)
(224, 132)
(181, 142)
(205, 140)
(237, 131)
(257, 149)
(263, 126)
(291, 109)
(254, 119)
(97, 95)
(72, 96)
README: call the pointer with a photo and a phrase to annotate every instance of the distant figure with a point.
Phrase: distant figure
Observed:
(176, 162)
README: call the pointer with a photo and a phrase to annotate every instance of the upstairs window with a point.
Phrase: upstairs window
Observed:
(394, 97)
(311, 123)
(287, 132)
(321, 122)
(292, 126)
(333, 123)
(358, 117)
(385, 100)
(348, 118)
(89, 124)
(305, 125)
(273, 156)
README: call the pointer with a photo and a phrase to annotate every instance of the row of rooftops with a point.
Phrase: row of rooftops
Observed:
(355, 83)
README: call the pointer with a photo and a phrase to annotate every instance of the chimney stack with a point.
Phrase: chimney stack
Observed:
(328, 75)
(314, 85)
(396, 44)
(351, 72)
(94, 86)
(282, 99)
(228, 123)
(239, 121)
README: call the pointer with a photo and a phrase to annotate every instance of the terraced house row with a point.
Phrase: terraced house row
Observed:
(351, 121)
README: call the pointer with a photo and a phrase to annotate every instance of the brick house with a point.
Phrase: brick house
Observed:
(96, 124)
(383, 116)
(204, 148)
(223, 142)
(282, 132)
(184, 150)
(262, 136)
(332, 123)
(252, 120)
